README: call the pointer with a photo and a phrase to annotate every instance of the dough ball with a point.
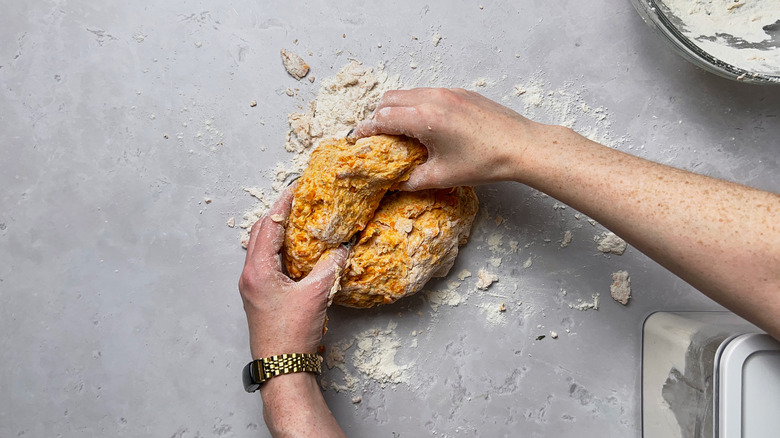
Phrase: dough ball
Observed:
(339, 192)
(412, 237)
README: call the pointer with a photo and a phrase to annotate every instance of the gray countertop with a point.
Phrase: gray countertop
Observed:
(120, 312)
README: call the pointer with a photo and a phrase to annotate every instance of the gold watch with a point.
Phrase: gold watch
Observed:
(260, 370)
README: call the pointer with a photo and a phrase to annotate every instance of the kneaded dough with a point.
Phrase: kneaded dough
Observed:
(339, 192)
(403, 239)
(413, 237)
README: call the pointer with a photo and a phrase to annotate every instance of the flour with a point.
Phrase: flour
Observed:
(253, 215)
(375, 356)
(485, 279)
(564, 106)
(495, 241)
(732, 31)
(610, 243)
(566, 239)
(342, 102)
(445, 297)
(294, 64)
(495, 313)
(585, 305)
(620, 289)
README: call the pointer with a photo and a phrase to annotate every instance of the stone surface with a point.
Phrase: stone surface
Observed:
(120, 313)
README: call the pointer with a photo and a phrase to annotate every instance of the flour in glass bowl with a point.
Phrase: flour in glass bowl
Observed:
(738, 32)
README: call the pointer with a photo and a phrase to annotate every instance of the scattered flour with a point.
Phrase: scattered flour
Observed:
(584, 305)
(342, 102)
(464, 274)
(375, 354)
(528, 263)
(294, 64)
(495, 313)
(611, 243)
(335, 358)
(445, 297)
(564, 106)
(485, 279)
(566, 239)
(495, 241)
(620, 289)
(252, 216)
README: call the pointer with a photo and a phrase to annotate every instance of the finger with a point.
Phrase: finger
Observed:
(253, 232)
(271, 234)
(328, 267)
(413, 97)
(394, 120)
(421, 178)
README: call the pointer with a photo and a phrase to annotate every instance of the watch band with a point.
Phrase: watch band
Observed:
(259, 370)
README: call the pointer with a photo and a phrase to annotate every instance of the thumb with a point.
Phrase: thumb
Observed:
(327, 269)
(418, 179)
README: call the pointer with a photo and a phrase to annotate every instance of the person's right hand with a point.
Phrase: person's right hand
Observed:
(471, 140)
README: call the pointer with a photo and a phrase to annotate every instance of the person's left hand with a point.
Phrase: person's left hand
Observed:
(284, 316)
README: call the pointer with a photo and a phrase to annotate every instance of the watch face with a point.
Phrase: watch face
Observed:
(251, 383)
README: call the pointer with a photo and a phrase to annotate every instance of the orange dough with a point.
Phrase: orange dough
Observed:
(339, 191)
(403, 238)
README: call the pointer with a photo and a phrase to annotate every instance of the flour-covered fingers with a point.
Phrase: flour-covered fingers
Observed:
(271, 236)
(394, 120)
(411, 97)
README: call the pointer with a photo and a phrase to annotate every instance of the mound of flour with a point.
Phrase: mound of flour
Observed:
(342, 101)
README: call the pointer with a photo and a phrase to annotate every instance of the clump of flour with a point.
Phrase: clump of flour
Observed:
(610, 242)
(586, 305)
(620, 289)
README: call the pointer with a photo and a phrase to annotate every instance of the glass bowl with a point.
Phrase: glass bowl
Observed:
(660, 16)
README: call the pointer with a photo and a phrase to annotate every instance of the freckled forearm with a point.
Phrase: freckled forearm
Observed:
(721, 237)
(293, 406)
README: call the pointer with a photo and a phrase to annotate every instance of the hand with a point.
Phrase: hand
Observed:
(471, 140)
(284, 316)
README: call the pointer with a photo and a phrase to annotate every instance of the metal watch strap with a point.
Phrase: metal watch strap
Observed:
(260, 370)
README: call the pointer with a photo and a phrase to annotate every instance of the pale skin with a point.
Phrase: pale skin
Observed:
(722, 238)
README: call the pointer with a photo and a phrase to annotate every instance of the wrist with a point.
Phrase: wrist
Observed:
(289, 401)
(544, 154)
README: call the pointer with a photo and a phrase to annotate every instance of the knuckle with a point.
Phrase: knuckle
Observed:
(430, 113)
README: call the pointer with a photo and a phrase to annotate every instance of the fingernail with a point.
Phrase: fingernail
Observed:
(293, 179)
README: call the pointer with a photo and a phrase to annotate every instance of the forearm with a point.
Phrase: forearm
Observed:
(293, 406)
(721, 237)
